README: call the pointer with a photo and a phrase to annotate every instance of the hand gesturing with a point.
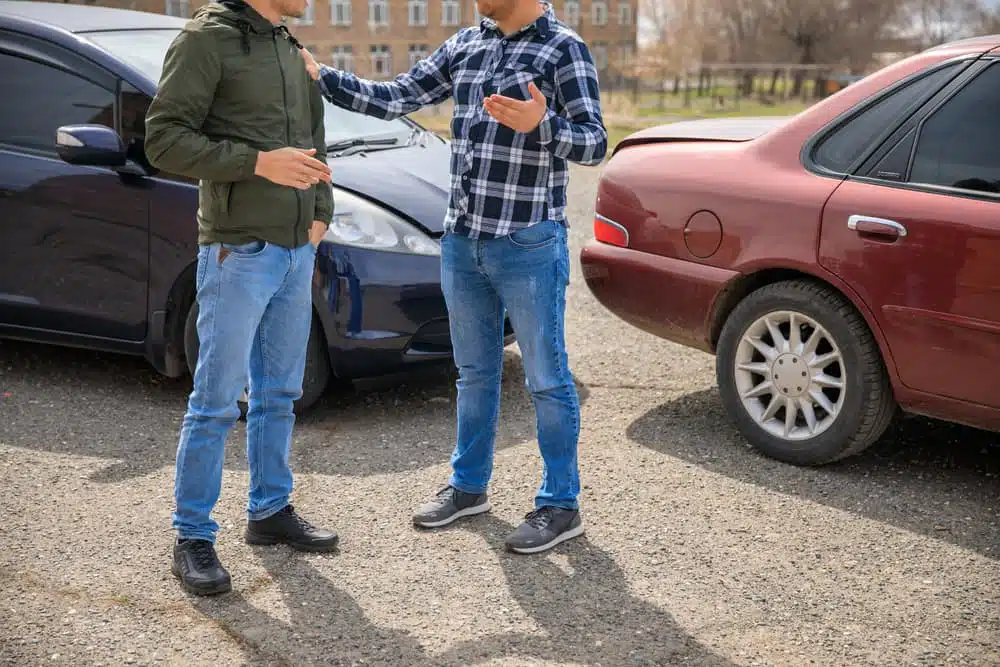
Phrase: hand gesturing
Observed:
(518, 115)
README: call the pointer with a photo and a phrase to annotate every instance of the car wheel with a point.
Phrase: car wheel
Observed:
(314, 380)
(801, 374)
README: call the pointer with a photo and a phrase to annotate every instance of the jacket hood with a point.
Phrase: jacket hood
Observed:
(233, 13)
(236, 14)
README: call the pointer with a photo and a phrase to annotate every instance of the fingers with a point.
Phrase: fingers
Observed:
(505, 102)
(536, 94)
(310, 167)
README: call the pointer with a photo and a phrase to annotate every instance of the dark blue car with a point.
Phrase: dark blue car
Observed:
(97, 249)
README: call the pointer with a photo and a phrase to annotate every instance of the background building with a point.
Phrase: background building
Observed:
(380, 38)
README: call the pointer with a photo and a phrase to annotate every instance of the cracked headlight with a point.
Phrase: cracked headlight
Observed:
(359, 223)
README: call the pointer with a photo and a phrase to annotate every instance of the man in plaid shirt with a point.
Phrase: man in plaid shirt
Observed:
(526, 99)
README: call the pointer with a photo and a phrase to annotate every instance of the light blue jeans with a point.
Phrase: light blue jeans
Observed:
(255, 310)
(526, 274)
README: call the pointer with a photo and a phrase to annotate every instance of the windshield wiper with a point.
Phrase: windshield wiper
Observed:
(361, 142)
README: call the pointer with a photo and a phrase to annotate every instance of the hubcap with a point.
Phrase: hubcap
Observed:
(790, 375)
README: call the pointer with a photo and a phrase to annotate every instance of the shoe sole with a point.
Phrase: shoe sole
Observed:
(262, 541)
(557, 540)
(460, 514)
(194, 590)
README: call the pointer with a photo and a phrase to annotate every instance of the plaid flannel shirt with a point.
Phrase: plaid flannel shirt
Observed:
(501, 180)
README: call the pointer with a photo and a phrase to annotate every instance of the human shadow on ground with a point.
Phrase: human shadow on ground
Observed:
(587, 617)
(79, 402)
(929, 477)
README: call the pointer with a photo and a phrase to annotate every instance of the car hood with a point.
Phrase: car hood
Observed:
(706, 129)
(414, 181)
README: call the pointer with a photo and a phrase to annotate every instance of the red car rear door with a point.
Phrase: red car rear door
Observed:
(916, 231)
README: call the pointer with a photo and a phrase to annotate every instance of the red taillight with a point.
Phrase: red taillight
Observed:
(610, 232)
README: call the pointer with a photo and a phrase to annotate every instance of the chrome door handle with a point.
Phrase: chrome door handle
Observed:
(867, 224)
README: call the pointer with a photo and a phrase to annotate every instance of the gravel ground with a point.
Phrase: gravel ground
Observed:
(698, 551)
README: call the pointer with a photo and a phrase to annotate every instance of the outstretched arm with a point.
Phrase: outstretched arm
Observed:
(428, 83)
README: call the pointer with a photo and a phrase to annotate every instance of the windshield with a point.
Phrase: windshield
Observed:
(145, 50)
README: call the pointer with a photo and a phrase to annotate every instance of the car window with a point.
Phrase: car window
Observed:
(146, 49)
(841, 149)
(959, 144)
(38, 98)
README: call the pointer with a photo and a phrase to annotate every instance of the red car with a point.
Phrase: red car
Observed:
(841, 265)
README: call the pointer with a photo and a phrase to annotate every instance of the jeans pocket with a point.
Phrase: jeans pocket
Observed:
(539, 235)
(241, 250)
(245, 249)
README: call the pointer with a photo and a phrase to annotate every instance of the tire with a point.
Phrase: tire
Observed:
(314, 381)
(845, 419)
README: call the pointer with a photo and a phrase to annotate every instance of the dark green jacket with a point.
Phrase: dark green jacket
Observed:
(234, 84)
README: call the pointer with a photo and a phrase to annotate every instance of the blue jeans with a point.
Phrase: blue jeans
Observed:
(255, 311)
(524, 273)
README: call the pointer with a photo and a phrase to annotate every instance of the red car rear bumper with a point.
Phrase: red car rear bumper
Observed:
(667, 297)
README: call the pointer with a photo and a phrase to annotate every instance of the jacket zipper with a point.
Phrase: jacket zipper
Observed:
(288, 124)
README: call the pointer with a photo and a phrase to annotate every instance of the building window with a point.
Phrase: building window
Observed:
(626, 54)
(625, 13)
(600, 12)
(600, 54)
(418, 12)
(451, 12)
(378, 12)
(571, 10)
(177, 8)
(340, 12)
(308, 16)
(418, 52)
(342, 58)
(381, 60)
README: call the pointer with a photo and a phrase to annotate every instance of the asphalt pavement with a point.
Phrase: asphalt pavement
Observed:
(697, 551)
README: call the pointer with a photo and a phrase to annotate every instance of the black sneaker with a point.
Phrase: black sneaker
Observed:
(544, 528)
(449, 505)
(287, 527)
(199, 569)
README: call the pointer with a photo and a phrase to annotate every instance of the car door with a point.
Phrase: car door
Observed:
(73, 239)
(916, 231)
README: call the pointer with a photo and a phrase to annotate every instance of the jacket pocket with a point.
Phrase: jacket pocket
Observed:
(213, 200)
(258, 204)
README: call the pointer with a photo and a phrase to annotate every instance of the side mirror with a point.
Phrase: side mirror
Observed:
(90, 145)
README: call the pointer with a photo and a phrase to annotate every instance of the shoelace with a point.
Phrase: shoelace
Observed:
(203, 554)
(539, 518)
(302, 523)
(446, 494)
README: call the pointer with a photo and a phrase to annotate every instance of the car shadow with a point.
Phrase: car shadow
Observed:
(584, 612)
(929, 477)
(78, 402)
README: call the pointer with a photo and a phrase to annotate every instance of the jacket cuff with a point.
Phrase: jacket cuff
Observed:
(323, 210)
(249, 166)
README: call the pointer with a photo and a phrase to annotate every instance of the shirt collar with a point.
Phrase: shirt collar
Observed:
(543, 24)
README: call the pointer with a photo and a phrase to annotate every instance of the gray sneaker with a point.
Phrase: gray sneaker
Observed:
(449, 505)
(544, 528)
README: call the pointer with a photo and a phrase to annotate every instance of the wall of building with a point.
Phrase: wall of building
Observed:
(611, 37)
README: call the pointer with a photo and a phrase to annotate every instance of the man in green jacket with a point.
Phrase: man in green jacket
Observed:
(237, 111)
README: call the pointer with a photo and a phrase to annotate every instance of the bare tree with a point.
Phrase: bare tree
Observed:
(684, 32)
(938, 21)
